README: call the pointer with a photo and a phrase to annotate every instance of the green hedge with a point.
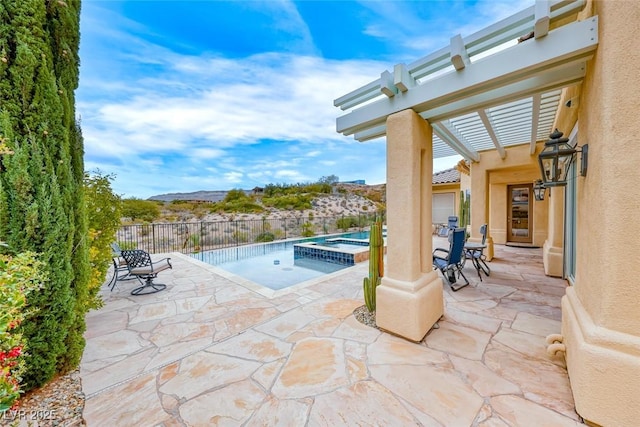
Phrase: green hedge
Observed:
(42, 206)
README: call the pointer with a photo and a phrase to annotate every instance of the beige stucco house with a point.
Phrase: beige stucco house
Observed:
(570, 65)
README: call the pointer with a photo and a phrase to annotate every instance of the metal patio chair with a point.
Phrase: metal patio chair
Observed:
(141, 267)
(120, 268)
(476, 253)
(450, 261)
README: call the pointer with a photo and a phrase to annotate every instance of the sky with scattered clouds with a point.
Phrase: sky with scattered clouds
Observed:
(181, 96)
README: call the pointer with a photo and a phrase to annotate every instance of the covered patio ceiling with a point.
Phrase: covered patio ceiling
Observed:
(487, 91)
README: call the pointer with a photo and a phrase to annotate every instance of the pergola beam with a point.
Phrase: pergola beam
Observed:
(527, 62)
(447, 133)
(486, 121)
(535, 120)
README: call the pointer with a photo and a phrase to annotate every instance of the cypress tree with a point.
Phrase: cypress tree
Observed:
(41, 185)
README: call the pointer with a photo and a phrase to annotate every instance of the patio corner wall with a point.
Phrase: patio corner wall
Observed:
(410, 297)
(600, 315)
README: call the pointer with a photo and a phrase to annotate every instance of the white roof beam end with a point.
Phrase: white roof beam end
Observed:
(386, 84)
(542, 18)
(402, 79)
(459, 55)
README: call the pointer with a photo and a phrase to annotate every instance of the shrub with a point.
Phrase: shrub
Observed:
(194, 239)
(19, 276)
(307, 229)
(240, 236)
(265, 237)
(346, 222)
(145, 229)
(138, 209)
(103, 213)
(297, 202)
(42, 206)
(127, 246)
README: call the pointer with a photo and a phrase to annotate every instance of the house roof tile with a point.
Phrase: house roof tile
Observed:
(446, 176)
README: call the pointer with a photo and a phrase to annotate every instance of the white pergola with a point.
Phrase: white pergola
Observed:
(486, 91)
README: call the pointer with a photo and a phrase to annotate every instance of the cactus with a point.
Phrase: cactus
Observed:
(463, 210)
(376, 265)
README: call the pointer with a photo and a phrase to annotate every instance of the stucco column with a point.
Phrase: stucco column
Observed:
(600, 315)
(552, 255)
(409, 299)
(480, 207)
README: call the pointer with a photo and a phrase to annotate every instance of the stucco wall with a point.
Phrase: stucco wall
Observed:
(608, 196)
(600, 316)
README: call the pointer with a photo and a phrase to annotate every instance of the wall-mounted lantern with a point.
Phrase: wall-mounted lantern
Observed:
(539, 190)
(556, 157)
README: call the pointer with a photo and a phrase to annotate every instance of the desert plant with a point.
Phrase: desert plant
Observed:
(346, 222)
(265, 237)
(240, 236)
(463, 211)
(376, 265)
(194, 239)
(307, 229)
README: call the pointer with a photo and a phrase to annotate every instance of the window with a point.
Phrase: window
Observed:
(443, 206)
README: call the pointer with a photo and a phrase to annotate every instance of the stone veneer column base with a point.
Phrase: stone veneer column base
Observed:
(409, 309)
(603, 365)
(552, 258)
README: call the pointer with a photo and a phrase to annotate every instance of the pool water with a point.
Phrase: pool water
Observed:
(272, 265)
(278, 270)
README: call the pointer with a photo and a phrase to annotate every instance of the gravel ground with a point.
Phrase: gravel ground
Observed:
(363, 316)
(59, 403)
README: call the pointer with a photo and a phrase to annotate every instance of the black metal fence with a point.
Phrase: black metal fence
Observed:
(192, 237)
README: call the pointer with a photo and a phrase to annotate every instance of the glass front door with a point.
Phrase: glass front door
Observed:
(519, 213)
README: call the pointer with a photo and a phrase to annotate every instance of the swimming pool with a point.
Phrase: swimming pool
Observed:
(274, 265)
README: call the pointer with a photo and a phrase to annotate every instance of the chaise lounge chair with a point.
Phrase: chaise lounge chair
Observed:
(450, 261)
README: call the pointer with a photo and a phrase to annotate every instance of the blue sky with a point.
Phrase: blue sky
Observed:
(180, 96)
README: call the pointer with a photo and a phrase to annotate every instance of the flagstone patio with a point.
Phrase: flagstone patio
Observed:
(208, 351)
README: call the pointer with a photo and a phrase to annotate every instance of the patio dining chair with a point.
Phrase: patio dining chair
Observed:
(477, 256)
(450, 261)
(141, 267)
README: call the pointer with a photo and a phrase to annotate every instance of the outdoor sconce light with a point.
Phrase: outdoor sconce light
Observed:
(556, 157)
(539, 190)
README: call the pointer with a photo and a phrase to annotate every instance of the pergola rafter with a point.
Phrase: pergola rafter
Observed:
(476, 100)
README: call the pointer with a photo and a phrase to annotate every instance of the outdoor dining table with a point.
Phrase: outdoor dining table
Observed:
(474, 251)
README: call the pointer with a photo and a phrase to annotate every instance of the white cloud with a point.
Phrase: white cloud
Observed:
(164, 121)
(233, 177)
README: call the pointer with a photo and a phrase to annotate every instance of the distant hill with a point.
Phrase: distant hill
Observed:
(206, 196)
(218, 195)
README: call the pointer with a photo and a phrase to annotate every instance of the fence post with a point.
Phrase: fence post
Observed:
(153, 238)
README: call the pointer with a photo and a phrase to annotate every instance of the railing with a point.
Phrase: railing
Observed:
(192, 237)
